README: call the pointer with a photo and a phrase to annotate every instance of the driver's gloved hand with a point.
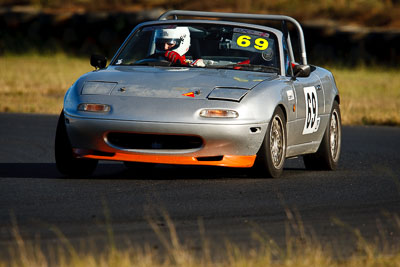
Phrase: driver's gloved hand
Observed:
(175, 58)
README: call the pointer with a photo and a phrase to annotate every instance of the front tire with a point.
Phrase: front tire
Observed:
(328, 153)
(65, 161)
(272, 154)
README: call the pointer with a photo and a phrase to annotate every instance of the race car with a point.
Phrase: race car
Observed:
(207, 89)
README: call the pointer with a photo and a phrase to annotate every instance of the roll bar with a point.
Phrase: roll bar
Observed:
(282, 18)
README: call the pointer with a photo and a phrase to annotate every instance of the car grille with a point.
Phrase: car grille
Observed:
(153, 141)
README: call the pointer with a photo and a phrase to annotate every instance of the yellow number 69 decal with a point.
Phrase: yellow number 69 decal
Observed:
(261, 44)
(245, 41)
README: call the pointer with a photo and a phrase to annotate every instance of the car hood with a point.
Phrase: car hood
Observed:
(163, 82)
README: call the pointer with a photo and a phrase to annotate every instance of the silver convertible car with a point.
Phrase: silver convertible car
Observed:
(208, 90)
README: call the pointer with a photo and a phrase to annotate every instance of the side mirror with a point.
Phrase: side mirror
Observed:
(98, 61)
(301, 71)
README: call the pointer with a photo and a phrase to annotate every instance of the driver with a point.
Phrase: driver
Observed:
(174, 43)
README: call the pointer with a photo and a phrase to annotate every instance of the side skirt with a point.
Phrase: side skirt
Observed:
(302, 149)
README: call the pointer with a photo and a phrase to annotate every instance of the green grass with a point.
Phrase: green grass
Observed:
(37, 84)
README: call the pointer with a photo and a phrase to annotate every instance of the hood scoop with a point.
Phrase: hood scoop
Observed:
(228, 94)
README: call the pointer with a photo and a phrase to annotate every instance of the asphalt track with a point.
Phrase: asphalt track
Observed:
(203, 202)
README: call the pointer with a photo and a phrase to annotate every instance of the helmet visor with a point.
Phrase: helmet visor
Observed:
(171, 43)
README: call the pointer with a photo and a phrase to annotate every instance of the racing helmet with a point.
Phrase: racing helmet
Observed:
(179, 37)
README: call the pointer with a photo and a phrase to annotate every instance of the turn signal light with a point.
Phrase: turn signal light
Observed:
(218, 113)
(94, 107)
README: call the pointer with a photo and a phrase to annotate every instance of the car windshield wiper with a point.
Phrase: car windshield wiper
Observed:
(247, 67)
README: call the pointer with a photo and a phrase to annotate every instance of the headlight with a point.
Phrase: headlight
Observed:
(94, 107)
(218, 113)
(98, 88)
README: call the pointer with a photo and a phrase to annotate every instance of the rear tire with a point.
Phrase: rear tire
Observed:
(65, 161)
(328, 153)
(272, 154)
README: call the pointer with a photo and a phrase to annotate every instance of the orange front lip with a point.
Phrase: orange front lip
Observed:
(227, 160)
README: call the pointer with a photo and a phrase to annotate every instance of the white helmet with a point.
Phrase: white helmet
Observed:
(179, 36)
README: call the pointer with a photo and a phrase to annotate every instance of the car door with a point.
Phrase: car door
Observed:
(310, 104)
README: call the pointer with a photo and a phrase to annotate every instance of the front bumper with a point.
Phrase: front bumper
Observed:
(226, 160)
(231, 145)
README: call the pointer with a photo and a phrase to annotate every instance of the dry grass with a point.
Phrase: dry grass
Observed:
(369, 95)
(364, 12)
(37, 84)
(300, 251)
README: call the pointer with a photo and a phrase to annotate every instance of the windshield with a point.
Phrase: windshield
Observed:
(202, 45)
